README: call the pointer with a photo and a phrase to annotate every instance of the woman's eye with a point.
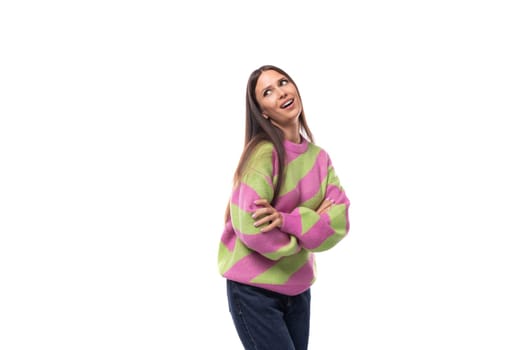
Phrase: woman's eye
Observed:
(284, 82)
(266, 92)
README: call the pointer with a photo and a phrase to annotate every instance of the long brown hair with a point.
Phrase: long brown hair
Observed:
(260, 129)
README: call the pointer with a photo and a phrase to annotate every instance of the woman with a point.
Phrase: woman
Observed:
(286, 204)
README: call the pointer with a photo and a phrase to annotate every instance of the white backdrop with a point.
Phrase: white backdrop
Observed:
(122, 122)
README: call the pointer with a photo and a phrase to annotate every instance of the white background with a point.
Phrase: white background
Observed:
(122, 122)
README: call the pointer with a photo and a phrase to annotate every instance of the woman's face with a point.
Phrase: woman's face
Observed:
(278, 98)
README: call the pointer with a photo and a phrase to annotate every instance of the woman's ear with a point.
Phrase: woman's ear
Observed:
(265, 116)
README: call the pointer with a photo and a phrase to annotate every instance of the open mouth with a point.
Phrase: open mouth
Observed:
(287, 103)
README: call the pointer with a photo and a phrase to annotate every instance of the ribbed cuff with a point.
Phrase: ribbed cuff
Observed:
(291, 223)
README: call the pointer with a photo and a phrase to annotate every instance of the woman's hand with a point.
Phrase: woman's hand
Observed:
(325, 206)
(266, 215)
(269, 215)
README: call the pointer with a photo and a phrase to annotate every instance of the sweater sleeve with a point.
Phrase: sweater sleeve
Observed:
(321, 232)
(257, 183)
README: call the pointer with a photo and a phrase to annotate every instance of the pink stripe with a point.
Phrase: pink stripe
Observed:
(308, 187)
(320, 232)
(249, 267)
(292, 223)
(268, 242)
(290, 156)
(297, 283)
(304, 274)
(244, 196)
(228, 236)
(337, 194)
(309, 184)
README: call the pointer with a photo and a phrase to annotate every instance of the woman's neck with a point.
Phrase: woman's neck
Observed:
(292, 134)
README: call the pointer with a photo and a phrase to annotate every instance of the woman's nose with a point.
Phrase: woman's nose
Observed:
(281, 93)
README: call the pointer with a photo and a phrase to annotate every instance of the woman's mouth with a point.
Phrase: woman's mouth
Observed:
(287, 103)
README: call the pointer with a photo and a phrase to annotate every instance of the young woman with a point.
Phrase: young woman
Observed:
(286, 204)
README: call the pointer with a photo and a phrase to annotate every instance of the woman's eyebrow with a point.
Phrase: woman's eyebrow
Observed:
(270, 85)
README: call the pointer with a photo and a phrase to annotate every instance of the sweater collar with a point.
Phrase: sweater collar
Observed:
(296, 147)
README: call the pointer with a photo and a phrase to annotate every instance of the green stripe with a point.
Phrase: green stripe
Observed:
(261, 159)
(337, 217)
(286, 250)
(298, 168)
(308, 219)
(333, 177)
(227, 259)
(283, 269)
(243, 221)
(314, 202)
(259, 183)
(338, 224)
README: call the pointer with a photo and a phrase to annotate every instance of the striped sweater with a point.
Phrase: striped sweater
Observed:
(283, 260)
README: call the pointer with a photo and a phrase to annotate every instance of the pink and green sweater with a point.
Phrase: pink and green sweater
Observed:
(283, 260)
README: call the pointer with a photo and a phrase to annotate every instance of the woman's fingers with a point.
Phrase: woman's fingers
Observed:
(266, 209)
(325, 206)
(262, 211)
(266, 215)
(273, 224)
(269, 217)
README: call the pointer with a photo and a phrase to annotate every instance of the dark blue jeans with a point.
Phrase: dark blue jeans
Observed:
(267, 320)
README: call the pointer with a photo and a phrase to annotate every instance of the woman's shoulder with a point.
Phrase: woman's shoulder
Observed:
(263, 146)
(262, 151)
(319, 153)
(315, 148)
